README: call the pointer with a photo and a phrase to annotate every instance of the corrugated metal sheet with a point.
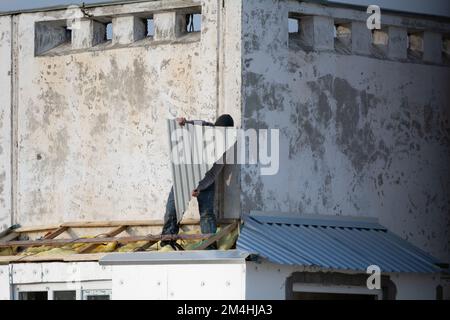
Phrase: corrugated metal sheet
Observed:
(194, 149)
(332, 244)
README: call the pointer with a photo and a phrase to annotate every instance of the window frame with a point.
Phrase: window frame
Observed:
(79, 288)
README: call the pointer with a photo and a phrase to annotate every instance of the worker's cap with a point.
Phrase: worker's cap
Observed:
(224, 120)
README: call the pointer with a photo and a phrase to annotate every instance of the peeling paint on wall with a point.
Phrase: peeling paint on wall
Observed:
(359, 136)
(90, 125)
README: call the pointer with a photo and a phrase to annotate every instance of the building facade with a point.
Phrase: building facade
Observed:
(363, 115)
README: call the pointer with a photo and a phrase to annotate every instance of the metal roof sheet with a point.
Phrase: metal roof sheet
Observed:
(332, 243)
(194, 149)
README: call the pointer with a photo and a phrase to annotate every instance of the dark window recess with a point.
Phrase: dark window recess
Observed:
(389, 291)
(415, 45)
(330, 296)
(446, 50)
(109, 31)
(439, 293)
(150, 27)
(342, 36)
(98, 297)
(194, 22)
(446, 45)
(415, 41)
(64, 295)
(68, 34)
(50, 34)
(380, 38)
(342, 31)
(35, 296)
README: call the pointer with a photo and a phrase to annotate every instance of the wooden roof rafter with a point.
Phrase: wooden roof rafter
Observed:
(53, 234)
(87, 253)
(62, 242)
(110, 224)
(110, 234)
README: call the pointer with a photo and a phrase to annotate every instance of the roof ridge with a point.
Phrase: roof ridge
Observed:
(318, 220)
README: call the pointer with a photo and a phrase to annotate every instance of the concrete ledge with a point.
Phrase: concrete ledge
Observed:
(190, 38)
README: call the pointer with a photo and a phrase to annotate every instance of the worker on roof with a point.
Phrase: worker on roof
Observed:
(204, 192)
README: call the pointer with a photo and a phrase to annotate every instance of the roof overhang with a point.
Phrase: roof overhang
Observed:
(330, 242)
(437, 8)
(176, 257)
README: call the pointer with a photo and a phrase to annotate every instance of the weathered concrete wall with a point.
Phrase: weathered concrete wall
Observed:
(5, 122)
(91, 122)
(361, 135)
(230, 86)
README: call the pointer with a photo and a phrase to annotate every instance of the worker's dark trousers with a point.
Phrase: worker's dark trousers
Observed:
(206, 208)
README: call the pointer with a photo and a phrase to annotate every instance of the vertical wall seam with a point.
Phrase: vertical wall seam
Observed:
(220, 188)
(242, 96)
(11, 117)
(14, 114)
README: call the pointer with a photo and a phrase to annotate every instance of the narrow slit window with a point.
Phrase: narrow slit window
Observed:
(446, 45)
(343, 33)
(64, 295)
(415, 41)
(51, 34)
(293, 25)
(446, 49)
(109, 31)
(33, 295)
(96, 295)
(150, 27)
(68, 33)
(380, 37)
(194, 22)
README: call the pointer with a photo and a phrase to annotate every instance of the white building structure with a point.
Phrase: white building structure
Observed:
(364, 133)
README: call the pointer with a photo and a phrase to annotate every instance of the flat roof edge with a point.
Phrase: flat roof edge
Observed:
(444, 16)
(176, 257)
(65, 6)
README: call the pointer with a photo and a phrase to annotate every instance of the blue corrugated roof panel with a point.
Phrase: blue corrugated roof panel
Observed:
(331, 243)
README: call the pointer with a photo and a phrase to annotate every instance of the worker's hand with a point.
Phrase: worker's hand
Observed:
(195, 193)
(181, 121)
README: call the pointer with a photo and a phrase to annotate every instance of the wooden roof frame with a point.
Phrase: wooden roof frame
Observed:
(9, 238)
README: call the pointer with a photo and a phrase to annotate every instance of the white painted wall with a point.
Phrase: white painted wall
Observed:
(250, 280)
(5, 289)
(25, 273)
(179, 281)
(415, 287)
(5, 122)
(266, 280)
(50, 276)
